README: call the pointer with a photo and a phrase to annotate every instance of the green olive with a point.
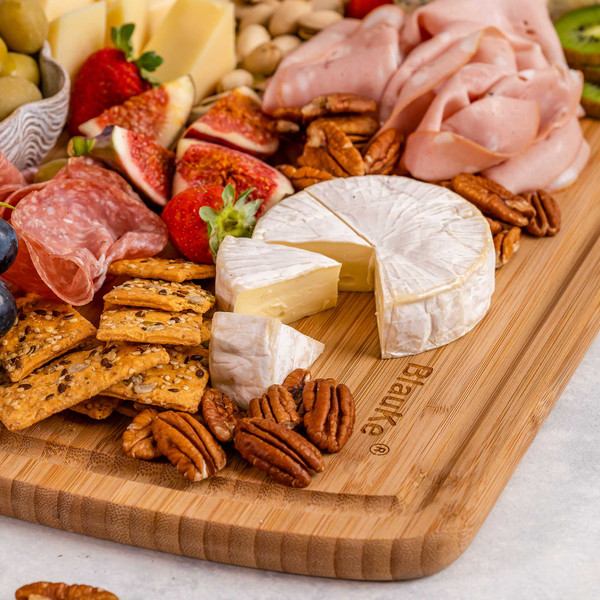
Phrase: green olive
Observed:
(14, 92)
(21, 65)
(23, 25)
(49, 170)
(3, 53)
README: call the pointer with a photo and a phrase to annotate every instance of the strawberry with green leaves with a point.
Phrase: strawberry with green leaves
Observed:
(109, 77)
(199, 218)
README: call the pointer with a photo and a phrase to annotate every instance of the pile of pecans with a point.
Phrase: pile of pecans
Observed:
(282, 433)
(44, 590)
(508, 214)
(341, 139)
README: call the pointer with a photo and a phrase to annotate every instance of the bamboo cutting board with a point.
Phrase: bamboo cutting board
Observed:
(437, 436)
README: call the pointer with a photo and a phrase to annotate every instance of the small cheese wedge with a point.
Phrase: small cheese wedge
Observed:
(119, 12)
(197, 37)
(56, 8)
(273, 280)
(250, 353)
(302, 222)
(77, 34)
(157, 11)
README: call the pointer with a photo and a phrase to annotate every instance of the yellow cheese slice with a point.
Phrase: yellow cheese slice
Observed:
(197, 38)
(56, 8)
(77, 34)
(120, 12)
(157, 11)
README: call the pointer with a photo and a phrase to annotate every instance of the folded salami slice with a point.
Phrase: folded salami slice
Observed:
(72, 227)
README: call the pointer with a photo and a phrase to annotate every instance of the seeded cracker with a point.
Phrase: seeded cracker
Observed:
(161, 295)
(44, 330)
(73, 378)
(97, 408)
(178, 385)
(168, 269)
(206, 325)
(150, 326)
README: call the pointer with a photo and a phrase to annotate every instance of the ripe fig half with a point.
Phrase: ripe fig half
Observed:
(144, 163)
(202, 163)
(159, 113)
(237, 121)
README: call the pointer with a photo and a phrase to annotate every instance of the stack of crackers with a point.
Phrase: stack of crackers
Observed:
(150, 347)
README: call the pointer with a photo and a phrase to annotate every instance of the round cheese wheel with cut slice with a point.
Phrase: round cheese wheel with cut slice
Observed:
(431, 255)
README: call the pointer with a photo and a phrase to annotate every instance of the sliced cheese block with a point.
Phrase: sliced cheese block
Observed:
(272, 280)
(56, 8)
(197, 37)
(250, 353)
(157, 11)
(77, 34)
(435, 257)
(302, 222)
(120, 12)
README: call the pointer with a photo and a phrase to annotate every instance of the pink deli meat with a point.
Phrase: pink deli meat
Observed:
(479, 86)
(72, 227)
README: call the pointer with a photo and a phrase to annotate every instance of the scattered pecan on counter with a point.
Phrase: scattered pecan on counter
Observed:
(276, 404)
(547, 220)
(188, 444)
(329, 414)
(43, 590)
(506, 243)
(220, 414)
(282, 453)
(138, 439)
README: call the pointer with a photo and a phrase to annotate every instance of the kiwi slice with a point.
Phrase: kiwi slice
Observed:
(591, 99)
(591, 73)
(579, 33)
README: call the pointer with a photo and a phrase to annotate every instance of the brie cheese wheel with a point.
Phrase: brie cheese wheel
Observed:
(302, 222)
(249, 353)
(272, 280)
(433, 253)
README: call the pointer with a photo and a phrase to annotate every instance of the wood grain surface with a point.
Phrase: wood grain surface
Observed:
(437, 437)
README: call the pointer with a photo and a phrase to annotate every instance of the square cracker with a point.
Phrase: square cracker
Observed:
(161, 295)
(43, 331)
(150, 326)
(97, 408)
(177, 385)
(168, 269)
(73, 378)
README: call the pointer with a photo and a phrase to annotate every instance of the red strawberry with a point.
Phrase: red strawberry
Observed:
(109, 77)
(358, 9)
(199, 218)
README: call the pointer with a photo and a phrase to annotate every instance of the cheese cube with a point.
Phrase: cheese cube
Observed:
(56, 8)
(157, 11)
(76, 35)
(120, 12)
(197, 38)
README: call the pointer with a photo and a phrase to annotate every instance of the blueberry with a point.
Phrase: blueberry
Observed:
(8, 246)
(8, 310)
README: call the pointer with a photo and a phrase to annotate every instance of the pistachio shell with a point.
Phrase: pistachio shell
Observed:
(264, 59)
(311, 23)
(235, 79)
(259, 14)
(286, 16)
(287, 43)
(249, 38)
(337, 5)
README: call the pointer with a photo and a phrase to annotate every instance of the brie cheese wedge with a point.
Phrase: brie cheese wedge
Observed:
(272, 280)
(302, 222)
(249, 353)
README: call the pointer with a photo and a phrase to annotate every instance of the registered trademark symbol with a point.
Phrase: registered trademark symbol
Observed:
(379, 449)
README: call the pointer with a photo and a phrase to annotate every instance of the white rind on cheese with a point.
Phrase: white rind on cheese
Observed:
(435, 257)
(250, 353)
(302, 222)
(273, 280)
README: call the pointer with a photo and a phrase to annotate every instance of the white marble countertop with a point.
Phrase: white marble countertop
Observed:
(541, 541)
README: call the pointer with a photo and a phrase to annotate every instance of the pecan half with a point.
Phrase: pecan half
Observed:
(495, 226)
(332, 104)
(294, 383)
(220, 414)
(276, 404)
(281, 452)
(44, 590)
(506, 244)
(304, 177)
(548, 218)
(474, 189)
(328, 148)
(519, 203)
(287, 114)
(329, 414)
(358, 128)
(188, 445)
(285, 127)
(138, 440)
(383, 152)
